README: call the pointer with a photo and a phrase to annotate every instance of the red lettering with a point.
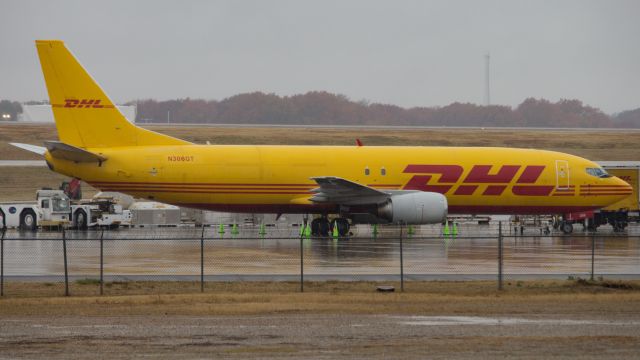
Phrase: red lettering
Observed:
(480, 174)
(70, 103)
(530, 174)
(97, 105)
(85, 103)
(494, 190)
(448, 174)
(465, 190)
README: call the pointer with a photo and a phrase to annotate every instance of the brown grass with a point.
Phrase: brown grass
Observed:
(250, 298)
(619, 145)
(21, 183)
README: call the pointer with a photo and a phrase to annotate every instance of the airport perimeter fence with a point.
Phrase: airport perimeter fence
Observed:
(163, 260)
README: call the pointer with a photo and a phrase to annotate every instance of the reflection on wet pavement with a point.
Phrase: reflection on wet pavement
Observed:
(176, 251)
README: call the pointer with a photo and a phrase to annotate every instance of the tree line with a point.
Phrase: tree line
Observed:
(323, 108)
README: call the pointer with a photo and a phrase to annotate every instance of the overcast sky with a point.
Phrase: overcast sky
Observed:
(408, 53)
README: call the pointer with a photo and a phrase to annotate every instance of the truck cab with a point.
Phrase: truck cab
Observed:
(54, 207)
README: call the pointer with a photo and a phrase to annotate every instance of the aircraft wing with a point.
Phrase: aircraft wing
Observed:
(341, 191)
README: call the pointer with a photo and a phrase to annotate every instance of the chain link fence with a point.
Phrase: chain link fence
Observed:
(190, 259)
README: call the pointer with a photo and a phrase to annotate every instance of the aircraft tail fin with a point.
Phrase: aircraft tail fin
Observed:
(85, 116)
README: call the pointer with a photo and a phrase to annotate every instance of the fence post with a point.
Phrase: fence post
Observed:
(593, 255)
(66, 272)
(202, 260)
(401, 262)
(302, 255)
(4, 230)
(500, 256)
(102, 262)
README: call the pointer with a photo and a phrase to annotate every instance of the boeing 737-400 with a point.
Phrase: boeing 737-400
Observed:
(398, 184)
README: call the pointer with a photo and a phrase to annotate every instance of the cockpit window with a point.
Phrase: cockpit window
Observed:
(598, 172)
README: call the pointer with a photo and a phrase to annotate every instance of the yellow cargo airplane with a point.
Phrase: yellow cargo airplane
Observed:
(411, 185)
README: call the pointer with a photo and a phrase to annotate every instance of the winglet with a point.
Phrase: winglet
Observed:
(358, 142)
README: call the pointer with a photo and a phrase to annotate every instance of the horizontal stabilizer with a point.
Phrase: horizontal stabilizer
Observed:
(60, 150)
(34, 149)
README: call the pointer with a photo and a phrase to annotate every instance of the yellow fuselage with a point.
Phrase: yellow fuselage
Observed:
(278, 178)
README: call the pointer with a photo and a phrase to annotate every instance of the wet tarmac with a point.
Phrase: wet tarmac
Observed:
(174, 253)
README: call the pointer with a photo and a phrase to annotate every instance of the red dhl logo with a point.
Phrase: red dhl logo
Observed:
(626, 178)
(84, 103)
(449, 175)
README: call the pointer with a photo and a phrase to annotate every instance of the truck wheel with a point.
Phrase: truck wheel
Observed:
(28, 220)
(566, 227)
(80, 220)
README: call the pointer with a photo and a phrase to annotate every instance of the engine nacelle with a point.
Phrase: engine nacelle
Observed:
(415, 208)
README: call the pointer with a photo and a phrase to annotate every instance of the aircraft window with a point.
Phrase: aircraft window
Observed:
(383, 171)
(598, 172)
(366, 171)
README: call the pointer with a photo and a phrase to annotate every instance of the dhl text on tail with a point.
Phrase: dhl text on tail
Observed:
(412, 185)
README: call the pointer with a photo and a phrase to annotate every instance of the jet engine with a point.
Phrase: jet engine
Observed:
(414, 208)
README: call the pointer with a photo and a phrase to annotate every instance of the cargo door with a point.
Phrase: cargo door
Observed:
(562, 174)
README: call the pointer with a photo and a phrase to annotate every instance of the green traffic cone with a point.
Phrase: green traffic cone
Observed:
(410, 230)
(221, 229)
(263, 230)
(375, 229)
(446, 231)
(234, 229)
(307, 230)
(335, 232)
(455, 229)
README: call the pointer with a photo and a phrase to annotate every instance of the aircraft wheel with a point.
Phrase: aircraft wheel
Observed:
(28, 220)
(315, 227)
(80, 221)
(323, 227)
(343, 226)
(566, 227)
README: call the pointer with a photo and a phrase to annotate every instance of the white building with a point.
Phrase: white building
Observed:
(43, 113)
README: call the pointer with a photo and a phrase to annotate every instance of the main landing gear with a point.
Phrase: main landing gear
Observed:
(322, 227)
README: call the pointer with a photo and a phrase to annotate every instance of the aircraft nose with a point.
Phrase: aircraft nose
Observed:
(620, 187)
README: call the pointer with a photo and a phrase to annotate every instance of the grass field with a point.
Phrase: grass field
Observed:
(605, 145)
(254, 298)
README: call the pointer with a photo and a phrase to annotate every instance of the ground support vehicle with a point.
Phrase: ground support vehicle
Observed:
(51, 209)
